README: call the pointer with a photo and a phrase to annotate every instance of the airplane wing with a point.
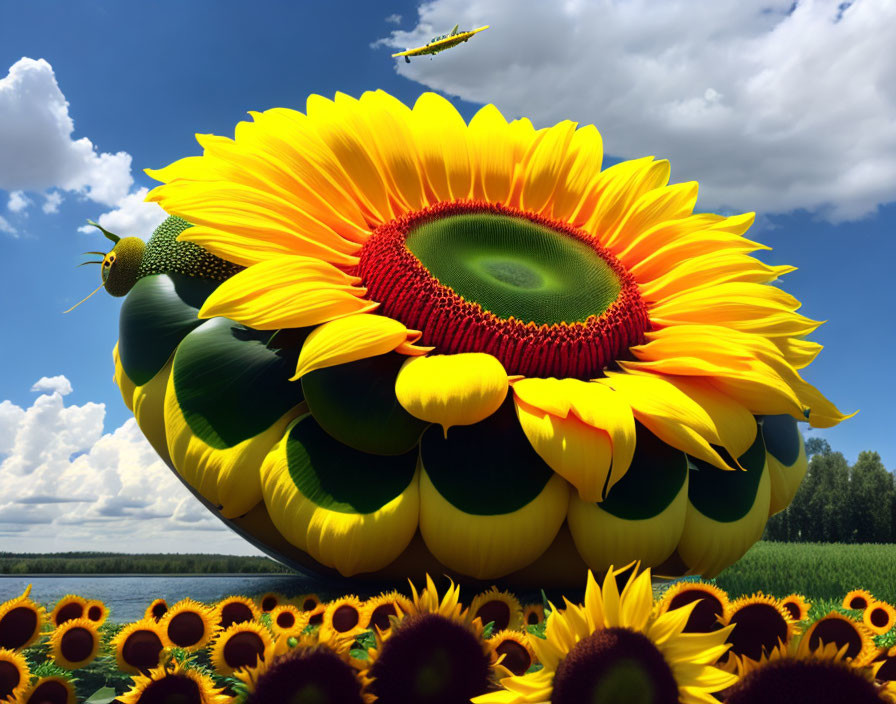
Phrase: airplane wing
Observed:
(441, 44)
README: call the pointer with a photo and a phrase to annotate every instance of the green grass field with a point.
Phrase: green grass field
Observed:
(816, 570)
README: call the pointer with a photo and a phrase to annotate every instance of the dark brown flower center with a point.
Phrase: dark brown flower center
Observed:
(381, 614)
(516, 657)
(705, 616)
(790, 680)
(141, 650)
(345, 618)
(10, 677)
(172, 689)
(77, 644)
(614, 666)
(757, 629)
(838, 631)
(286, 619)
(186, 628)
(243, 649)
(69, 612)
(50, 692)
(312, 676)
(17, 627)
(496, 612)
(235, 612)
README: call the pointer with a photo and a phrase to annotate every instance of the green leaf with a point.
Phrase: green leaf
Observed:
(104, 695)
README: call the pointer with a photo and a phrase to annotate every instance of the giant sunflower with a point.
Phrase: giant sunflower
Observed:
(613, 648)
(442, 341)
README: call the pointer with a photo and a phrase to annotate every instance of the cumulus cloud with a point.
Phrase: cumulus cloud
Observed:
(777, 108)
(38, 153)
(36, 143)
(394, 19)
(54, 384)
(6, 227)
(109, 490)
(132, 217)
(18, 201)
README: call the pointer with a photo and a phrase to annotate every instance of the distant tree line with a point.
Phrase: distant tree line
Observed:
(113, 563)
(839, 503)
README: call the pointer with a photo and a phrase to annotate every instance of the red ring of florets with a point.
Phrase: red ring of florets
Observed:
(409, 293)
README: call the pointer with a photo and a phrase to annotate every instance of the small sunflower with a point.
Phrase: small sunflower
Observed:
(21, 620)
(377, 610)
(712, 607)
(138, 646)
(842, 631)
(307, 602)
(49, 690)
(242, 644)
(156, 609)
(343, 617)
(613, 645)
(235, 609)
(69, 607)
(75, 643)
(533, 614)
(760, 623)
(287, 620)
(858, 600)
(316, 615)
(314, 670)
(14, 674)
(799, 672)
(501, 608)
(188, 624)
(435, 652)
(172, 682)
(268, 601)
(879, 616)
(797, 606)
(470, 305)
(96, 611)
(514, 650)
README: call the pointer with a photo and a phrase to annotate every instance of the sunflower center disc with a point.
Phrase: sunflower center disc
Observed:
(515, 268)
(539, 295)
(614, 666)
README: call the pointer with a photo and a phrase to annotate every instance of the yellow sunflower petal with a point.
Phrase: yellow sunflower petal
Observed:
(669, 414)
(287, 292)
(593, 447)
(544, 167)
(490, 139)
(574, 196)
(441, 140)
(456, 389)
(352, 338)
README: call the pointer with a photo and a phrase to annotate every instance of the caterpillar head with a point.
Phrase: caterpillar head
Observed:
(119, 266)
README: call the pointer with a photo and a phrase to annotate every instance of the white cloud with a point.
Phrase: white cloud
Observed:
(52, 200)
(132, 217)
(769, 109)
(6, 227)
(108, 490)
(54, 384)
(37, 151)
(18, 201)
(394, 19)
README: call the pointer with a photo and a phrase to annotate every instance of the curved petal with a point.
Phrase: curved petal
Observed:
(441, 144)
(653, 207)
(669, 414)
(544, 167)
(593, 447)
(351, 338)
(490, 140)
(287, 292)
(574, 199)
(456, 389)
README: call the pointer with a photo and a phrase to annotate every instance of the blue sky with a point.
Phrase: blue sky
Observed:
(787, 112)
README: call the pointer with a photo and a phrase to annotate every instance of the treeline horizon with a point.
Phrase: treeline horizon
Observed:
(838, 502)
(12, 563)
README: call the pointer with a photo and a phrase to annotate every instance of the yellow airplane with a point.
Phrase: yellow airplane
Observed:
(440, 43)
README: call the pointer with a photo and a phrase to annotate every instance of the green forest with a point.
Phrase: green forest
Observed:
(114, 563)
(839, 503)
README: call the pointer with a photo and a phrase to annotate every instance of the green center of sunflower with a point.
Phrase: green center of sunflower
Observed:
(537, 294)
(614, 666)
(515, 268)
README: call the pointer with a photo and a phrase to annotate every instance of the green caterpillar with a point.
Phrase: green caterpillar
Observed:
(131, 259)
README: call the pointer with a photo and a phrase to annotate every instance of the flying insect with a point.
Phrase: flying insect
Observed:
(439, 43)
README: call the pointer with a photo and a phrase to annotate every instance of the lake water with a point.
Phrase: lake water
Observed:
(127, 596)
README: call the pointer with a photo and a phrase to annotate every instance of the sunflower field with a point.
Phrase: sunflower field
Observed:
(691, 642)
